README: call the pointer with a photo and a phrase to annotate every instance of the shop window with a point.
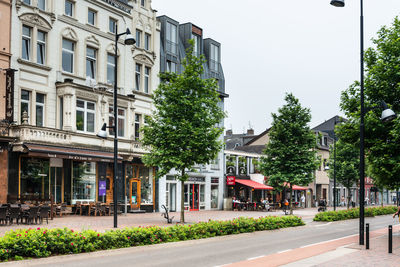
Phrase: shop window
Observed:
(34, 178)
(146, 183)
(214, 196)
(84, 181)
(202, 193)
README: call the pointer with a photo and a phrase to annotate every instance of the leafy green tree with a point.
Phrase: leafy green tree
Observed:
(382, 82)
(347, 165)
(183, 130)
(290, 155)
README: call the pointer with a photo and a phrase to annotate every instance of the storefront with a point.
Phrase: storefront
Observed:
(68, 175)
(247, 190)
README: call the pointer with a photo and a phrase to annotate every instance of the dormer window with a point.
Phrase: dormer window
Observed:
(197, 45)
(214, 58)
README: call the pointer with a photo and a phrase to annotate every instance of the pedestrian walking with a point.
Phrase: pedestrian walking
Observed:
(303, 201)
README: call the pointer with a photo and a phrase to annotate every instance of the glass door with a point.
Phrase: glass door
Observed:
(134, 191)
(194, 197)
(56, 183)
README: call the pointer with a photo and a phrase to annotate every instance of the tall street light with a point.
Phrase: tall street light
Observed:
(387, 115)
(129, 40)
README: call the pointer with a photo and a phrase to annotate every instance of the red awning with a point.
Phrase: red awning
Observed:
(254, 184)
(295, 187)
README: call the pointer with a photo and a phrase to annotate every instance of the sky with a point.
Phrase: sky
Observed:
(270, 47)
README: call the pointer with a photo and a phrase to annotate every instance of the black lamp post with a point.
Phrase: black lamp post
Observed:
(129, 40)
(387, 115)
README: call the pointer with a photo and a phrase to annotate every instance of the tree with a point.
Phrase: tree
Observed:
(382, 82)
(183, 130)
(290, 156)
(347, 165)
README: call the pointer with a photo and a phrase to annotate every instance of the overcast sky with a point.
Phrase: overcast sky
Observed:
(270, 47)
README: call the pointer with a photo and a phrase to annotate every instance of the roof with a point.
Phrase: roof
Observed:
(258, 137)
(258, 149)
(253, 184)
(329, 125)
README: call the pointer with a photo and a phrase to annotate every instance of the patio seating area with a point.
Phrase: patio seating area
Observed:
(24, 214)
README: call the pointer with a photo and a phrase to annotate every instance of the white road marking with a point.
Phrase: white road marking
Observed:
(279, 252)
(319, 243)
(253, 258)
(319, 225)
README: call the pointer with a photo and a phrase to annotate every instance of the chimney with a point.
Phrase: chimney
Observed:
(228, 132)
(250, 132)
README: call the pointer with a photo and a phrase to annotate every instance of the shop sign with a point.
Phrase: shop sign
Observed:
(196, 179)
(56, 162)
(102, 188)
(230, 180)
(10, 94)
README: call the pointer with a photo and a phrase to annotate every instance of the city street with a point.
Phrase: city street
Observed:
(217, 251)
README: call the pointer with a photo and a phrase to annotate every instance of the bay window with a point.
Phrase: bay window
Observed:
(85, 116)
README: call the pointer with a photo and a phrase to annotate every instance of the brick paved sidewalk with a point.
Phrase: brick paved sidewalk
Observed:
(103, 223)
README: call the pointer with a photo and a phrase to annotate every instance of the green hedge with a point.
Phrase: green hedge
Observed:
(329, 216)
(26, 243)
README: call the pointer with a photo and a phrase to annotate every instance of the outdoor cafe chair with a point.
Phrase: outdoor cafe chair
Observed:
(4, 214)
(78, 207)
(44, 214)
(14, 213)
(31, 214)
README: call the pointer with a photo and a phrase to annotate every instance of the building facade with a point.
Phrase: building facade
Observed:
(63, 94)
(6, 81)
(204, 189)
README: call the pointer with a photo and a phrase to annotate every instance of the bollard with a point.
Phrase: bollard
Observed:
(390, 239)
(367, 236)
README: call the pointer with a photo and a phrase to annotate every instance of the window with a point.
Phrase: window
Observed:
(68, 56)
(112, 23)
(138, 38)
(39, 110)
(91, 62)
(137, 76)
(214, 61)
(26, 42)
(28, 2)
(197, 45)
(41, 47)
(84, 181)
(171, 38)
(91, 17)
(146, 79)
(121, 121)
(110, 69)
(35, 178)
(69, 8)
(171, 66)
(85, 116)
(147, 38)
(138, 118)
(25, 102)
(41, 4)
(142, 3)
(61, 113)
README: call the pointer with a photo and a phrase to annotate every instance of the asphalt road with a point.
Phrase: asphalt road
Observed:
(215, 251)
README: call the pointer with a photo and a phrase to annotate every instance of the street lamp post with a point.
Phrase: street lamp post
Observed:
(129, 40)
(387, 115)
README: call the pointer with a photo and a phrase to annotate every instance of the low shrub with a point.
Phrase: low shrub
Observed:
(329, 216)
(35, 243)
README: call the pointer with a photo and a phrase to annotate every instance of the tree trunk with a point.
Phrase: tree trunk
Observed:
(348, 197)
(290, 200)
(182, 198)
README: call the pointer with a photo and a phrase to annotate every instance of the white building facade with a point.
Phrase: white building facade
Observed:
(63, 51)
